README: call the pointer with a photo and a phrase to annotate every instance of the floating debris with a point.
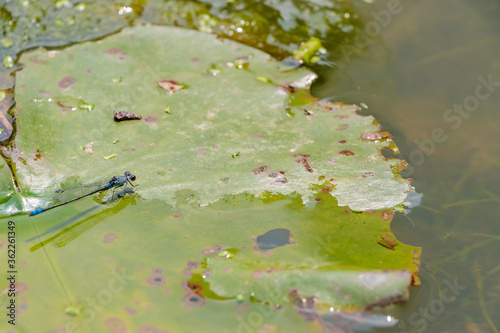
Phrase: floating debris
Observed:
(109, 157)
(170, 85)
(121, 116)
(88, 148)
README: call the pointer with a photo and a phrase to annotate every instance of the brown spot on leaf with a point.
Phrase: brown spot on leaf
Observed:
(306, 156)
(151, 119)
(170, 85)
(261, 169)
(115, 52)
(130, 310)
(212, 250)
(44, 93)
(342, 141)
(327, 189)
(156, 280)
(302, 159)
(282, 180)
(121, 116)
(187, 273)
(148, 328)
(66, 82)
(157, 271)
(108, 238)
(116, 325)
(346, 152)
(387, 215)
(194, 287)
(21, 287)
(194, 300)
(192, 265)
(388, 240)
(279, 175)
(193, 297)
(38, 155)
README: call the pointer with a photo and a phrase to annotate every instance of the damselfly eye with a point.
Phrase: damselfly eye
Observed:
(131, 177)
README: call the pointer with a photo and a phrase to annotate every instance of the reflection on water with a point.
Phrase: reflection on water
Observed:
(435, 60)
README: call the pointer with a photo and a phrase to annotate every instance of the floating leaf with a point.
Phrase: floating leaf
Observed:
(170, 85)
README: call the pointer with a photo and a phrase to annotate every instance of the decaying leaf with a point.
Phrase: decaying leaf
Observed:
(170, 85)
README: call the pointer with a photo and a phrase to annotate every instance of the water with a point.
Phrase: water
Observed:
(429, 58)
(419, 61)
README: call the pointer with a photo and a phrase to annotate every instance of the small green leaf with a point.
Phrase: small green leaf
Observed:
(109, 157)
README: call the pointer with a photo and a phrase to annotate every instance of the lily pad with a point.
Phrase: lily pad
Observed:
(241, 203)
(213, 118)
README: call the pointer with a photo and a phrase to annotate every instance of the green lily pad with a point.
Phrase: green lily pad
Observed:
(227, 134)
(241, 203)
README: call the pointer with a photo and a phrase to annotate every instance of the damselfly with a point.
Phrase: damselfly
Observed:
(115, 182)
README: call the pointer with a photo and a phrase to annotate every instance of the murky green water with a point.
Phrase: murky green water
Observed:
(412, 64)
(427, 59)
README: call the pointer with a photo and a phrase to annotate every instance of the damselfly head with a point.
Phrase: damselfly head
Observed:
(129, 175)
